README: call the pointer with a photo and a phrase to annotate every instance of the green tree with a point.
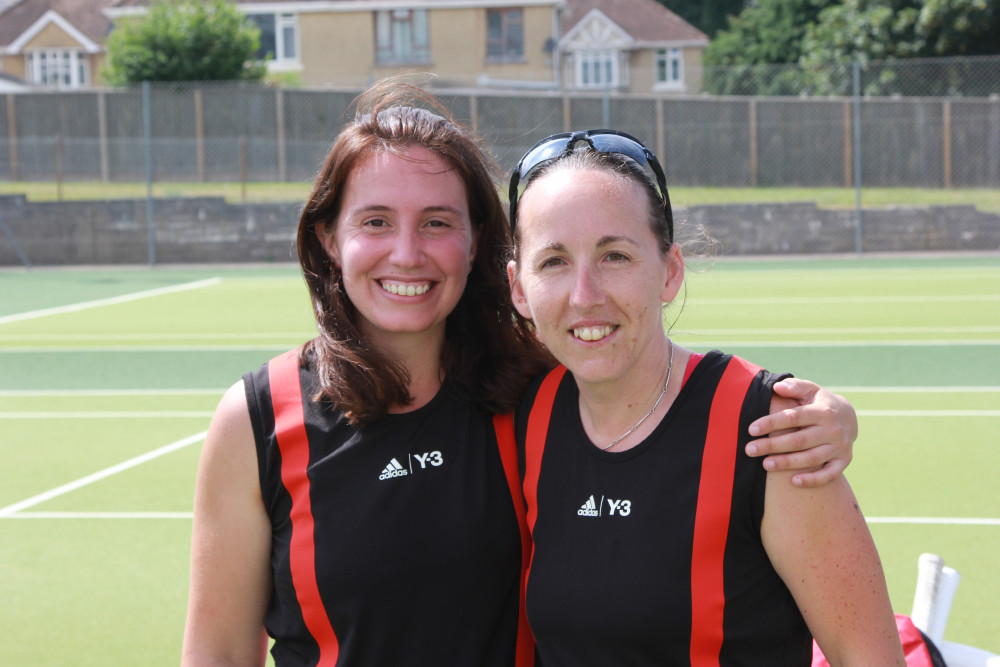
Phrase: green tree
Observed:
(709, 16)
(184, 40)
(879, 29)
(895, 33)
(744, 58)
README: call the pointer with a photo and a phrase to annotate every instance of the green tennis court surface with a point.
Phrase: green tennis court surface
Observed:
(108, 379)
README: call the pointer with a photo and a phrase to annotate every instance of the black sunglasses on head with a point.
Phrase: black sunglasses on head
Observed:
(601, 141)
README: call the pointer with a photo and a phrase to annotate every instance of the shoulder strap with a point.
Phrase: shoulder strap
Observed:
(711, 523)
(534, 441)
(293, 443)
(504, 427)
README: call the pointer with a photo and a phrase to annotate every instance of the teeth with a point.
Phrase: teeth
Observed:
(592, 333)
(406, 289)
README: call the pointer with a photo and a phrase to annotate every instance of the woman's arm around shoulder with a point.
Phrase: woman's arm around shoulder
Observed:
(812, 432)
(230, 546)
(820, 545)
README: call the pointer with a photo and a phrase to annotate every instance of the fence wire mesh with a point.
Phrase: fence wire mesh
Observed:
(239, 159)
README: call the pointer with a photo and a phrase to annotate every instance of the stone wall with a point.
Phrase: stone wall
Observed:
(209, 230)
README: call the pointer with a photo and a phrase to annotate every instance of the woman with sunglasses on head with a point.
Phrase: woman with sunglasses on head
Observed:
(657, 541)
(357, 498)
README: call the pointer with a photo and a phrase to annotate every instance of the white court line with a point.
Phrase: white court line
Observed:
(765, 300)
(97, 303)
(911, 390)
(694, 341)
(97, 476)
(112, 392)
(117, 349)
(928, 413)
(110, 414)
(158, 336)
(101, 515)
(827, 331)
(930, 520)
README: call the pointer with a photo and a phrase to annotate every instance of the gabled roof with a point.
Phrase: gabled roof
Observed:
(118, 7)
(645, 21)
(83, 20)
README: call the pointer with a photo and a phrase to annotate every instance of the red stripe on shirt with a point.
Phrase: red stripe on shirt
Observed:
(504, 426)
(293, 443)
(711, 523)
(534, 446)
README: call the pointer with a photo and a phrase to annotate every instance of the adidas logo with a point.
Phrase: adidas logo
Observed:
(393, 470)
(589, 508)
(593, 508)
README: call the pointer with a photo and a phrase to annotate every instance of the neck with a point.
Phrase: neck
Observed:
(618, 415)
(420, 354)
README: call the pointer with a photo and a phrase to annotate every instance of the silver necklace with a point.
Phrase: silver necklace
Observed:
(670, 365)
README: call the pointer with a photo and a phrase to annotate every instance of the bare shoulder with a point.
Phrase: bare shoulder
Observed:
(228, 457)
(779, 403)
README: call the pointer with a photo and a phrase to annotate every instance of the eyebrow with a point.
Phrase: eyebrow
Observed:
(384, 208)
(608, 240)
(556, 246)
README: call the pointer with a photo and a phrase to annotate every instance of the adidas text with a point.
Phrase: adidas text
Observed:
(394, 469)
(589, 508)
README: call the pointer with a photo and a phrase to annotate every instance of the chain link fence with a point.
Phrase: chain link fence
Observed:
(202, 172)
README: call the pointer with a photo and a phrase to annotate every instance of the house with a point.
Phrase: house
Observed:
(636, 46)
(53, 43)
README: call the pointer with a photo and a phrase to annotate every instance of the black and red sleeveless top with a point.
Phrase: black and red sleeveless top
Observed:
(393, 544)
(653, 556)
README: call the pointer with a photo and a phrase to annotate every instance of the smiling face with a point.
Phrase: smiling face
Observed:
(403, 241)
(591, 275)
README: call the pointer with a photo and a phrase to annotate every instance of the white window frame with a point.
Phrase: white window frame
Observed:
(669, 69)
(286, 40)
(58, 68)
(402, 36)
(598, 69)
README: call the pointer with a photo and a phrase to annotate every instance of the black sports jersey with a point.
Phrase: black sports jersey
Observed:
(632, 563)
(393, 544)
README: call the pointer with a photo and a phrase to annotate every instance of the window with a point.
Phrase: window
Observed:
(58, 68)
(278, 37)
(669, 68)
(597, 69)
(401, 36)
(504, 34)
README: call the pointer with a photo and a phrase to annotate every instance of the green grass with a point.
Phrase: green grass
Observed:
(987, 200)
(914, 343)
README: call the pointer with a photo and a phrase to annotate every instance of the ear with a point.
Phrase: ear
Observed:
(472, 253)
(675, 274)
(326, 232)
(517, 291)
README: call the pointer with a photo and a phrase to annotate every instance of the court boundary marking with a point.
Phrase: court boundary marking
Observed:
(101, 474)
(110, 301)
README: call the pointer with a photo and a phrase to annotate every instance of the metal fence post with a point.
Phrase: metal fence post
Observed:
(859, 226)
(9, 233)
(147, 128)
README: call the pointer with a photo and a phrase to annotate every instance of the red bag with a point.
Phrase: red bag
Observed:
(919, 650)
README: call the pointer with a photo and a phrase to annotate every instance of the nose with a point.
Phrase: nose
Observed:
(587, 290)
(407, 248)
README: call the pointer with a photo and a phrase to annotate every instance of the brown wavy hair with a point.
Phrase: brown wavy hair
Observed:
(490, 352)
